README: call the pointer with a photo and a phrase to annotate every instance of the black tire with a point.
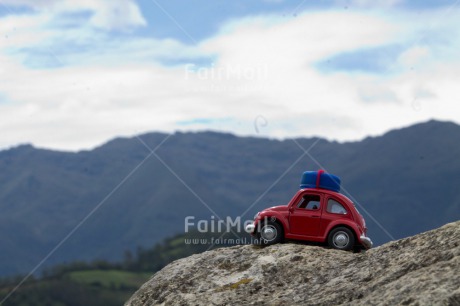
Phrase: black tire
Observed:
(341, 238)
(270, 233)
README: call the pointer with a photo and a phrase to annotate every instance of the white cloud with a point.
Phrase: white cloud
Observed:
(264, 66)
(22, 30)
(33, 38)
(109, 15)
(414, 56)
(114, 14)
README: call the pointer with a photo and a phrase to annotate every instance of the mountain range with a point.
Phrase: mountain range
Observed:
(133, 192)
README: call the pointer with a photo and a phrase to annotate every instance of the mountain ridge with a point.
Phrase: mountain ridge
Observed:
(28, 145)
(398, 178)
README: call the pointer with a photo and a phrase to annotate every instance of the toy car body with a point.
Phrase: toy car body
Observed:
(313, 214)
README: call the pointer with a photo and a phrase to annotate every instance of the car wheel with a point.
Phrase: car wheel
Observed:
(270, 233)
(341, 238)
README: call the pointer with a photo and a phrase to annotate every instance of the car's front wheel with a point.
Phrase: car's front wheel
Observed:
(341, 238)
(270, 233)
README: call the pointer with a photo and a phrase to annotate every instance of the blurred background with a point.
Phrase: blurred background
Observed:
(120, 118)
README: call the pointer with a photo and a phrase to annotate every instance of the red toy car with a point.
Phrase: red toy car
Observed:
(314, 214)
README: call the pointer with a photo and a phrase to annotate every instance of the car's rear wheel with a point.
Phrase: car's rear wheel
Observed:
(270, 233)
(341, 238)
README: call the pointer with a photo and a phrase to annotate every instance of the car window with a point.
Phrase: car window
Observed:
(335, 207)
(310, 202)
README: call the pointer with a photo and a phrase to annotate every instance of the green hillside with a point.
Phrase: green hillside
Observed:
(93, 287)
(99, 282)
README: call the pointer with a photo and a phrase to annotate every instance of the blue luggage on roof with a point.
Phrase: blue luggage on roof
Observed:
(320, 179)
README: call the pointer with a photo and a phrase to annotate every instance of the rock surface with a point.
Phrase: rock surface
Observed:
(420, 270)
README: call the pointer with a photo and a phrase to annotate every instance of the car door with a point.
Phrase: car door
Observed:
(305, 215)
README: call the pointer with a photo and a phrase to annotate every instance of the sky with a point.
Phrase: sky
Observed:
(77, 73)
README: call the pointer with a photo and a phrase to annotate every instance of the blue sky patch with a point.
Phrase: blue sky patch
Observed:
(369, 60)
(3, 98)
(6, 10)
(69, 20)
(208, 16)
(41, 59)
(193, 20)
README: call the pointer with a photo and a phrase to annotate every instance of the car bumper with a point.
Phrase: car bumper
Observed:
(366, 242)
(250, 228)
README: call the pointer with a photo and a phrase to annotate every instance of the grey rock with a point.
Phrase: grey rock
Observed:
(420, 270)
